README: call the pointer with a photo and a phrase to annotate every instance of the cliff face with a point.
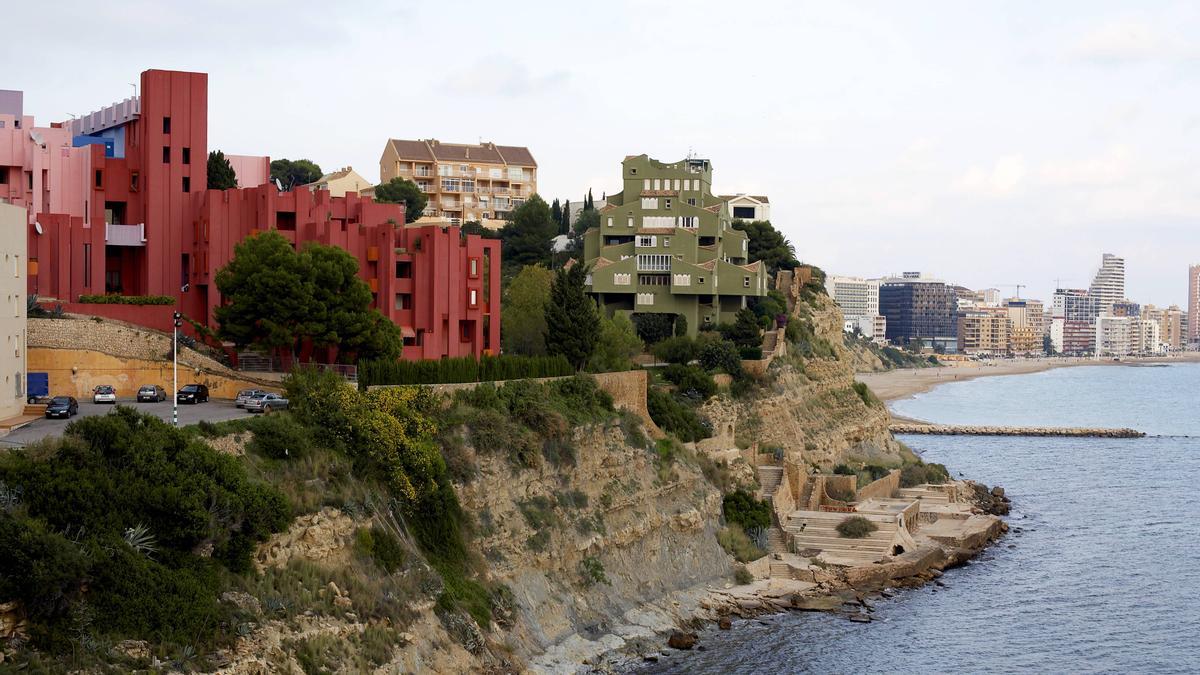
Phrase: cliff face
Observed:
(808, 406)
(586, 548)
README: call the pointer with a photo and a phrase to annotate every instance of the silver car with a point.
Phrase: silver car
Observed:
(104, 393)
(266, 403)
(245, 395)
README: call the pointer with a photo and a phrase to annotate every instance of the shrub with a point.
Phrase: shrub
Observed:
(591, 570)
(720, 355)
(463, 369)
(679, 349)
(750, 353)
(280, 436)
(742, 575)
(856, 527)
(844, 470)
(864, 392)
(735, 542)
(381, 546)
(126, 300)
(742, 508)
(691, 382)
(921, 473)
(672, 416)
(653, 328)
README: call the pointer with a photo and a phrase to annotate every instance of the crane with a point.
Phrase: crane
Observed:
(1016, 286)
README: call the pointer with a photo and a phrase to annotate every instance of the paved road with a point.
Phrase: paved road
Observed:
(213, 411)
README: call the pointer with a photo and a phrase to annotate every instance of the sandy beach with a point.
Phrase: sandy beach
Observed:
(893, 385)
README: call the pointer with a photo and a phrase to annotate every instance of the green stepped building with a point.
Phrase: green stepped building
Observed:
(665, 246)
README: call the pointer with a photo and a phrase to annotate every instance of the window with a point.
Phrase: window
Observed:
(404, 301)
(185, 270)
(666, 242)
(630, 223)
(403, 269)
(653, 263)
(187, 184)
(691, 201)
(610, 221)
(700, 280)
(99, 179)
(654, 280)
(166, 154)
(682, 280)
(666, 203)
(285, 220)
(645, 298)
(743, 212)
(633, 171)
(87, 265)
(187, 155)
(473, 268)
(166, 125)
(134, 177)
(645, 242)
(657, 184)
(17, 265)
(473, 297)
(3, 169)
(622, 279)
(746, 282)
(649, 202)
(646, 184)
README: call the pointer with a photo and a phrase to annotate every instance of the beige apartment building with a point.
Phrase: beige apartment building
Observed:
(13, 234)
(1170, 324)
(463, 182)
(983, 331)
(339, 182)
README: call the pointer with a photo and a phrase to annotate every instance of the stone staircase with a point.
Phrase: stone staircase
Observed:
(776, 542)
(769, 477)
(926, 494)
(780, 570)
(817, 531)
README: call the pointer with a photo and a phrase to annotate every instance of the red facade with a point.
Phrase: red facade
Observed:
(151, 228)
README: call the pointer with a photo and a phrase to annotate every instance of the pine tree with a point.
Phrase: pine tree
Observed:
(220, 172)
(588, 203)
(572, 320)
(556, 215)
(566, 216)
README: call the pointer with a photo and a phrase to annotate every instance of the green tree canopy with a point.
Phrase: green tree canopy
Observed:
(528, 233)
(220, 172)
(745, 331)
(523, 328)
(406, 192)
(618, 343)
(278, 298)
(768, 245)
(291, 174)
(572, 321)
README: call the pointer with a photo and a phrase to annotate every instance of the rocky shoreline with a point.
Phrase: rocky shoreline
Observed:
(844, 591)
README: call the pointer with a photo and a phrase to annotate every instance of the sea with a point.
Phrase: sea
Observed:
(1100, 572)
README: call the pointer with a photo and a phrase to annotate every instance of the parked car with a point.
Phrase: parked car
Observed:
(266, 403)
(151, 393)
(192, 393)
(62, 406)
(104, 394)
(245, 395)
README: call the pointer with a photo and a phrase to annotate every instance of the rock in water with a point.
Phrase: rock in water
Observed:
(680, 640)
(725, 623)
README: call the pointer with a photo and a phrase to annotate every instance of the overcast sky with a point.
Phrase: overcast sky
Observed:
(987, 143)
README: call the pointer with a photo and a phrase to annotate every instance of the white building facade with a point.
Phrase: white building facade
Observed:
(13, 281)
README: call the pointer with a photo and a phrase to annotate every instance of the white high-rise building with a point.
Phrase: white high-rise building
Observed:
(856, 296)
(1108, 286)
(13, 227)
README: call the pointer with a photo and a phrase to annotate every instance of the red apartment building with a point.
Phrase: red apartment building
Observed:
(118, 204)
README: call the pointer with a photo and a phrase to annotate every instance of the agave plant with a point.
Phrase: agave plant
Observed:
(141, 540)
(10, 496)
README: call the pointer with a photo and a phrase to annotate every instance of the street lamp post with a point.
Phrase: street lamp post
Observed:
(175, 373)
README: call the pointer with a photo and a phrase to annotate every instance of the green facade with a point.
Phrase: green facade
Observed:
(665, 246)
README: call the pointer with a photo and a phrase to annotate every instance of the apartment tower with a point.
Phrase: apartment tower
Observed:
(1194, 304)
(1108, 286)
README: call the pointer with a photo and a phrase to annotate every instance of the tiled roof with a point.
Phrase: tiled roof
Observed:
(488, 153)
(757, 198)
(656, 230)
(708, 265)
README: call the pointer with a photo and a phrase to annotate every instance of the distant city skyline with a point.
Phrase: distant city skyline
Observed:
(991, 143)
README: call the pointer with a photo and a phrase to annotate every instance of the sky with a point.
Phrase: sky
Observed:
(985, 143)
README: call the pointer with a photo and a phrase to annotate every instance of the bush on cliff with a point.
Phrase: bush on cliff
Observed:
(856, 527)
(114, 528)
(742, 508)
(921, 473)
(691, 382)
(733, 539)
(674, 417)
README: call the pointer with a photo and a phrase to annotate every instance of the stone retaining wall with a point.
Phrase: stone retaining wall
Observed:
(76, 372)
(883, 488)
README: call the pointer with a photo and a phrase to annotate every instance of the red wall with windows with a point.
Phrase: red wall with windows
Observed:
(447, 304)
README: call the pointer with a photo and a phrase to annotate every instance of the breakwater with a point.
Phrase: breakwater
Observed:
(988, 430)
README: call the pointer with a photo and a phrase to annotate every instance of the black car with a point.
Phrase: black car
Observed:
(192, 393)
(62, 406)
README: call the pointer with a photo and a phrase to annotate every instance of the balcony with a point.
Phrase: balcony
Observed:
(125, 235)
